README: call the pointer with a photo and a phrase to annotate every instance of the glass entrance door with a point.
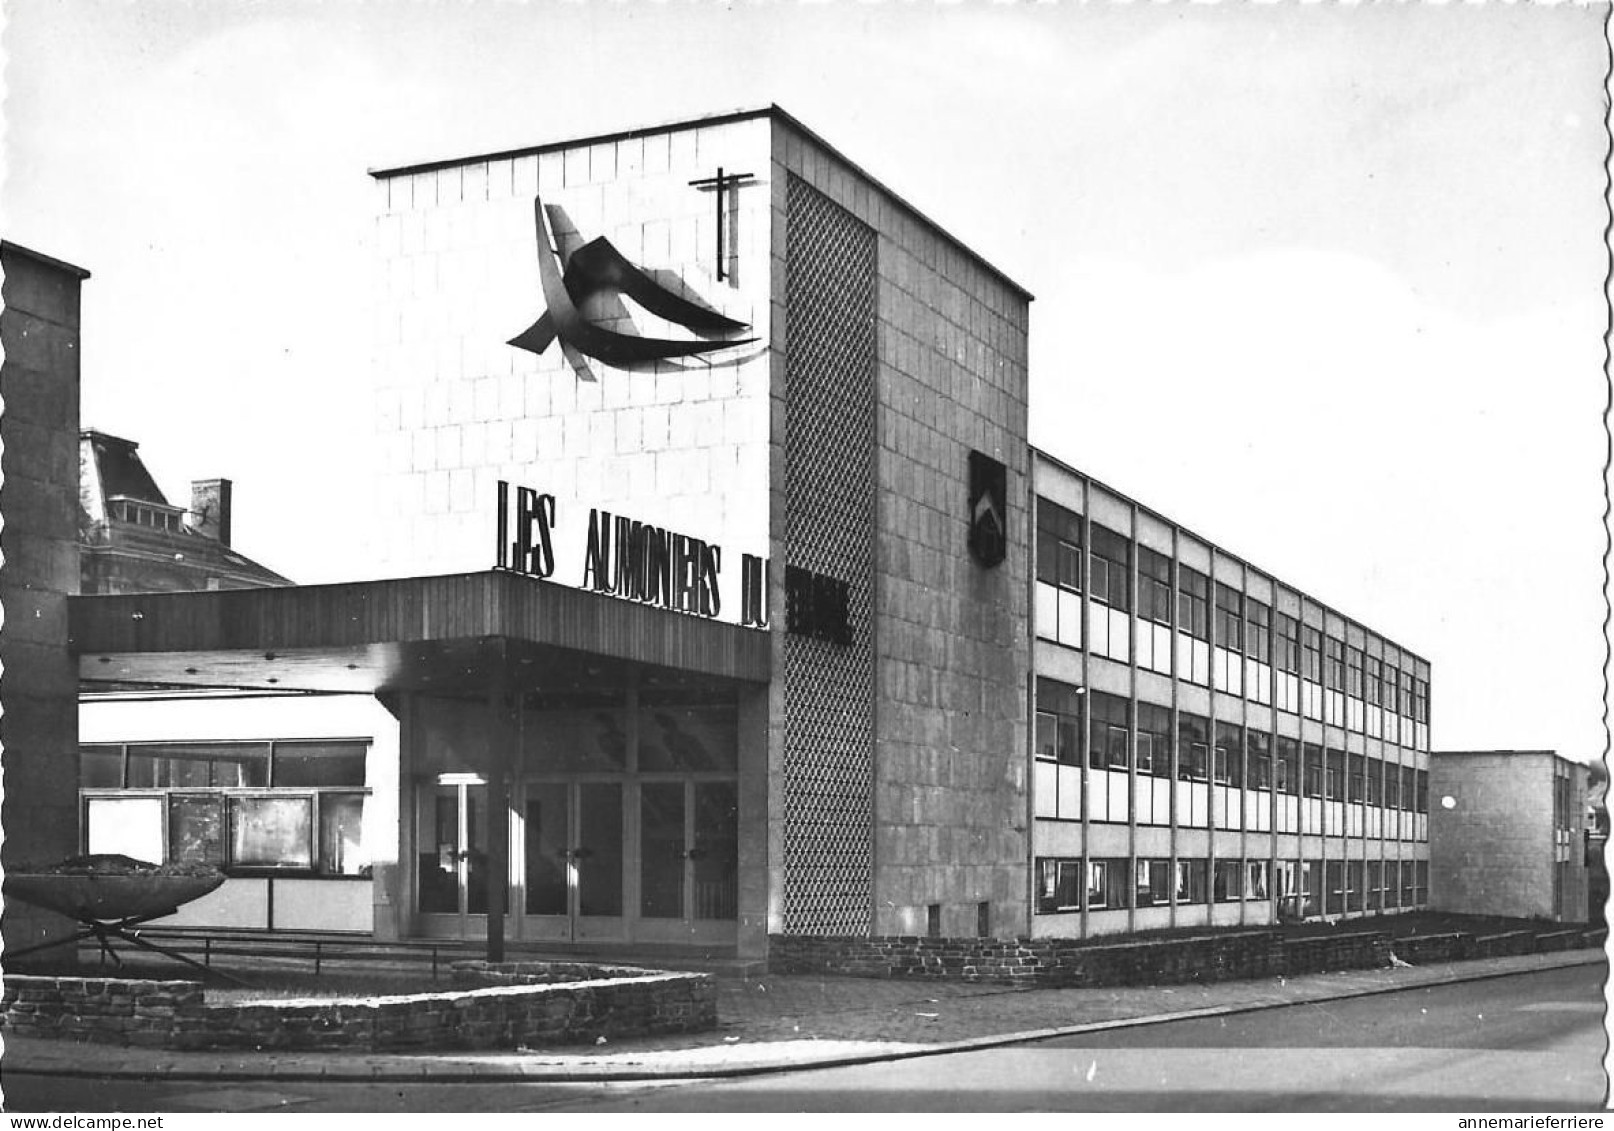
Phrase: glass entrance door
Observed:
(688, 860)
(451, 877)
(573, 852)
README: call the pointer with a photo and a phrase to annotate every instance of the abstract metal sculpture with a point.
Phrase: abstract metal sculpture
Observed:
(598, 266)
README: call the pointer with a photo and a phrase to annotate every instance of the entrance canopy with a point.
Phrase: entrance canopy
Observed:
(456, 633)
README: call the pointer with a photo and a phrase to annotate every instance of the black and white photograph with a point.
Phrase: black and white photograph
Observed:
(595, 557)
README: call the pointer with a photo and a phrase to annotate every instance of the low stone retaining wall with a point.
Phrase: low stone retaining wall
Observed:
(529, 1004)
(1071, 962)
(1318, 954)
(1459, 946)
(1558, 940)
(1145, 962)
(1419, 950)
(1496, 946)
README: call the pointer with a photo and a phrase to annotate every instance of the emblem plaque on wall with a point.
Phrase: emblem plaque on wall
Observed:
(989, 499)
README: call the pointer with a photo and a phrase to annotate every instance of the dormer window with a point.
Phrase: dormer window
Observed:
(151, 515)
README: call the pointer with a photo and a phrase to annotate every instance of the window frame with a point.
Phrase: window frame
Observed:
(1257, 630)
(1113, 550)
(230, 800)
(1057, 866)
(1155, 602)
(1229, 618)
(1193, 602)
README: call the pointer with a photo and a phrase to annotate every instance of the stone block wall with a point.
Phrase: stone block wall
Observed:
(1422, 949)
(949, 769)
(527, 1006)
(1050, 962)
(110, 1010)
(1509, 942)
(1495, 851)
(39, 382)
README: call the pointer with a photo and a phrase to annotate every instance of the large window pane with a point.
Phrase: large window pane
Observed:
(548, 840)
(196, 828)
(129, 826)
(341, 835)
(676, 737)
(305, 764)
(556, 740)
(717, 850)
(272, 832)
(599, 861)
(661, 854)
(100, 767)
(199, 765)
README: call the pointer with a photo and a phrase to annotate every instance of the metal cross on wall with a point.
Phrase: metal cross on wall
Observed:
(720, 185)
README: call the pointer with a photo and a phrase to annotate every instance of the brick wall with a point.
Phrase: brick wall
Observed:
(527, 1005)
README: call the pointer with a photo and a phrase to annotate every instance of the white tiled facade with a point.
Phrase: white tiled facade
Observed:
(682, 445)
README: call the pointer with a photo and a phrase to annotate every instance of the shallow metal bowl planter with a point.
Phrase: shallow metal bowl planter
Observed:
(110, 895)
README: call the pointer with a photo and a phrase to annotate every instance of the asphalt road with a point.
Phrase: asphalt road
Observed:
(1530, 1042)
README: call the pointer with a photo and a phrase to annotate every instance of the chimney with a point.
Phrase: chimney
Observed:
(210, 509)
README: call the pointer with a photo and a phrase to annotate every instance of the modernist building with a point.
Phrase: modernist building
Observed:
(1211, 744)
(728, 599)
(1509, 834)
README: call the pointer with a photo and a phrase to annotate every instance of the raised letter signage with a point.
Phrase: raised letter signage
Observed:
(532, 551)
(622, 556)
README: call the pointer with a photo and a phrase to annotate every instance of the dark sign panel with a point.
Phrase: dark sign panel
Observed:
(817, 606)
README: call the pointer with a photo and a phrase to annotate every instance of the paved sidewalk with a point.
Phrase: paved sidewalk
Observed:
(789, 1021)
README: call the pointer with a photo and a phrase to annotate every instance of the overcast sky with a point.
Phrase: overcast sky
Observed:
(1324, 284)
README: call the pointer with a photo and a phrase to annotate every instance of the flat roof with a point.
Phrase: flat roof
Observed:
(40, 257)
(1508, 753)
(1038, 453)
(453, 633)
(771, 111)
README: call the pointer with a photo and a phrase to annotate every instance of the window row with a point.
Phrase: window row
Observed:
(1192, 604)
(1306, 888)
(222, 765)
(1099, 884)
(293, 806)
(1237, 757)
(317, 832)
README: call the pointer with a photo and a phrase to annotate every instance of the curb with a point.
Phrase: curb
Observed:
(423, 1070)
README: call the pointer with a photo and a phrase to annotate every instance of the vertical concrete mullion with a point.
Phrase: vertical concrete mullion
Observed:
(1084, 726)
(1212, 810)
(1031, 703)
(1132, 626)
(1176, 724)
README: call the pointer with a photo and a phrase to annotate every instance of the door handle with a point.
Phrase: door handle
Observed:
(579, 853)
